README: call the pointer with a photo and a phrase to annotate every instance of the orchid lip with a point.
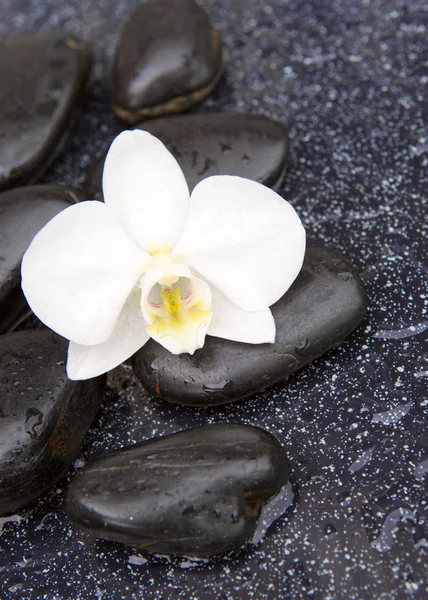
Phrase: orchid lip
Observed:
(178, 316)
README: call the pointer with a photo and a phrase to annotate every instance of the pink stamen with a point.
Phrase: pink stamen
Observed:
(187, 297)
(155, 304)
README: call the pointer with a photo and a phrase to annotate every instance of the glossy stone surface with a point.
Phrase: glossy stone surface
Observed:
(23, 212)
(43, 415)
(208, 144)
(324, 305)
(169, 58)
(198, 493)
(42, 80)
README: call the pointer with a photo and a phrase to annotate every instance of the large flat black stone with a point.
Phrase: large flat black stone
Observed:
(199, 492)
(43, 415)
(324, 305)
(245, 145)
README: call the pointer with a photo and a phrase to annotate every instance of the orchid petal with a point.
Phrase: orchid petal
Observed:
(145, 187)
(232, 323)
(78, 272)
(244, 239)
(128, 336)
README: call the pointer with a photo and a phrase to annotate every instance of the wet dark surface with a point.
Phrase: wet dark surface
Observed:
(349, 82)
(195, 493)
(323, 306)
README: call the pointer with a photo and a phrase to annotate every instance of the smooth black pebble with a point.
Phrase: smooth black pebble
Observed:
(240, 144)
(196, 493)
(42, 76)
(323, 306)
(23, 212)
(169, 59)
(43, 415)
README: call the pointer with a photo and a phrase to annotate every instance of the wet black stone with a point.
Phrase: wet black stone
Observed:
(325, 303)
(23, 212)
(42, 80)
(208, 144)
(43, 415)
(198, 492)
(169, 58)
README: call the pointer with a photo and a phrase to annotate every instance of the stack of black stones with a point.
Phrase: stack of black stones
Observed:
(199, 492)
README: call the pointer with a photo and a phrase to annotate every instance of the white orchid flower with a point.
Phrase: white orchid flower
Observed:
(153, 262)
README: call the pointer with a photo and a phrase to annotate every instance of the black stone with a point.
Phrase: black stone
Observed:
(43, 415)
(325, 303)
(23, 212)
(198, 492)
(169, 58)
(42, 79)
(208, 144)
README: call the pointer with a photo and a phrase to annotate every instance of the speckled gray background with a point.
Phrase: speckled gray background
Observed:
(349, 80)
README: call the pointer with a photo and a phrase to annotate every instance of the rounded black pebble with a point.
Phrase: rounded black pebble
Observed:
(43, 415)
(169, 59)
(43, 76)
(323, 306)
(195, 493)
(244, 145)
(23, 212)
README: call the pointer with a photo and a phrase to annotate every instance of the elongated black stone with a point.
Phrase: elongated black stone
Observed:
(42, 80)
(43, 415)
(245, 145)
(23, 212)
(325, 303)
(169, 58)
(198, 492)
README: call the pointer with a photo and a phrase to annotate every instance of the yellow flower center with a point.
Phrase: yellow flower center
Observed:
(159, 250)
(171, 299)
